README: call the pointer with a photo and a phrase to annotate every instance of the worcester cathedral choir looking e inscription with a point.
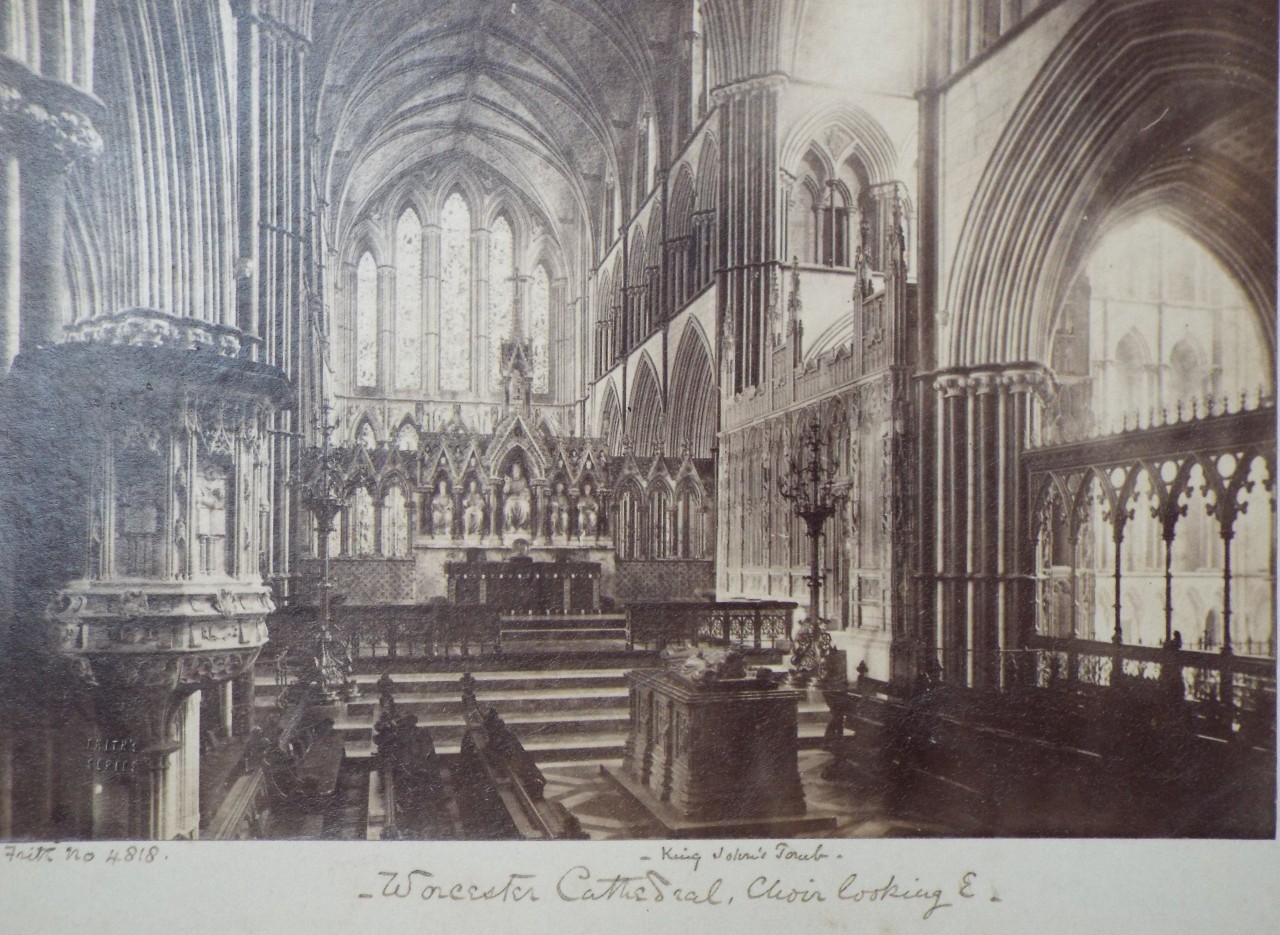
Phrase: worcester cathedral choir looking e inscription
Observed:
(565, 419)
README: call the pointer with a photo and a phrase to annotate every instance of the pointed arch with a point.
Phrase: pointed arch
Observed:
(681, 203)
(407, 436)
(681, 248)
(539, 327)
(455, 293)
(502, 291)
(708, 196)
(611, 426)
(637, 257)
(505, 203)
(366, 434)
(604, 324)
(366, 322)
(849, 131)
(395, 519)
(645, 410)
(694, 403)
(1073, 156)
(409, 317)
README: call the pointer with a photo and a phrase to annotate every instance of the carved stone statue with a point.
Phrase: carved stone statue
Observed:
(211, 519)
(559, 512)
(588, 513)
(515, 503)
(473, 510)
(442, 511)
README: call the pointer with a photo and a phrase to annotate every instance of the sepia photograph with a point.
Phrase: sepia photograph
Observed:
(737, 430)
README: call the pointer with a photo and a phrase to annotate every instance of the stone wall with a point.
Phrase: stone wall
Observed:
(666, 580)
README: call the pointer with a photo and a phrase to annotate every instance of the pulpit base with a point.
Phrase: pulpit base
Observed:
(676, 826)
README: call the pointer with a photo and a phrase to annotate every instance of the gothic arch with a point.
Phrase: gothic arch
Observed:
(646, 415)
(362, 422)
(694, 402)
(457, 182)
(368, 237)
(681, 204)
(611, 427)
(838, 133)
(708, 195)
(404, 197)
(637, 258)
(407, 430)
(505, 202)
(1110, 119)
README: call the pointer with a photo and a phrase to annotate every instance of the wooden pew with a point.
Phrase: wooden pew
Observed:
(407, 777)
(499, 786)
(293, 766)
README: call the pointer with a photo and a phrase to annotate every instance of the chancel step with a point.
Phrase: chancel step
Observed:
(561, 714)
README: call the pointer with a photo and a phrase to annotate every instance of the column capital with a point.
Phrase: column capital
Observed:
(1018, 378)
(745, 86)
(62, 133)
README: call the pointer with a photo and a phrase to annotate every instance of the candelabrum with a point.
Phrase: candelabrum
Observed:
(807, 486)
(327, 669)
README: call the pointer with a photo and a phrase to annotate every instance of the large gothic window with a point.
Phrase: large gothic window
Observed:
(1159, 334)
(367, 322)
(501, 291)
(455, 294)
(408, 344)
(540, 327)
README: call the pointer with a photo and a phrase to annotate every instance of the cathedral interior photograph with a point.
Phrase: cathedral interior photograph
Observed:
(501, 420)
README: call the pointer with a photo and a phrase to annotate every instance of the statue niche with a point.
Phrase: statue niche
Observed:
(558, 508)
(139, 513)
(442, 510)
(211, 519)
(516, 501)
(588, 513)
(473, 511)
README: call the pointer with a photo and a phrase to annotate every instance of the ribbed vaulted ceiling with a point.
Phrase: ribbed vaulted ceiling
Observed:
(543, 93)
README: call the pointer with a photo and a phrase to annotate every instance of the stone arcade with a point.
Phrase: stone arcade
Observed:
(536, 300)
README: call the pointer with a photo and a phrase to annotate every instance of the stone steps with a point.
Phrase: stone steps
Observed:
(560, 714)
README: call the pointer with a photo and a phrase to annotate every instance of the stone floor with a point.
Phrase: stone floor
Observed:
(607, 813)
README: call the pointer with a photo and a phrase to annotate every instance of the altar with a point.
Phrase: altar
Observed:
(521, 585)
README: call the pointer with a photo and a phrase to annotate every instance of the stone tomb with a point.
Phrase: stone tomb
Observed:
(715, 758)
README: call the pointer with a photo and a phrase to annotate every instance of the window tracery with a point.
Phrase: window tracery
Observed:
(408, 344)
(501, 289)
(455, 294)
(367, 322)
(539, 328)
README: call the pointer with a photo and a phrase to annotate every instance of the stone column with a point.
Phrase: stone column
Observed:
(226, 708)
(984, 588)
(561, 344)
(431, 302)
(45, 126)
(10, 258)
(386, 325)
(482, 381)
(538, 526)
